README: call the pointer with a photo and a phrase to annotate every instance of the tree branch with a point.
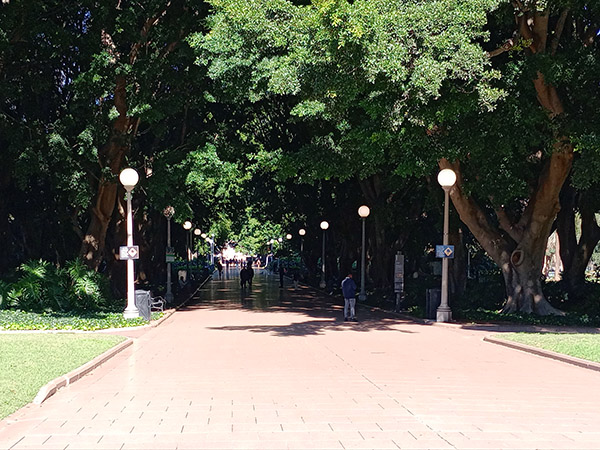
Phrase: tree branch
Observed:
(150, 22)
(494, 243)
(558, 30)
(509, 44)
(507, 225)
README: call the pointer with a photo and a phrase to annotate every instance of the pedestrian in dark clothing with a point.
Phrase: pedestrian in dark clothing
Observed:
(281, 274)
(219, 267)
(349, 292)
(296, 278)
(243, 277)
(249, 274)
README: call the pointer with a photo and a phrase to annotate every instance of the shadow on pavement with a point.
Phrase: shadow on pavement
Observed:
(325, 312)
(315, 327)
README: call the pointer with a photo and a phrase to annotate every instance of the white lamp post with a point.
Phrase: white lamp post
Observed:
(212, 248)
(187, 226)
(168, 212)
(446, 178)
(129, 178)
(322, 284)
(363, 212)
(196, 233)
(302, 233)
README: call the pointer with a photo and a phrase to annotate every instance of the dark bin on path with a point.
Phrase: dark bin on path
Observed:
(432, 301)
(142, 303)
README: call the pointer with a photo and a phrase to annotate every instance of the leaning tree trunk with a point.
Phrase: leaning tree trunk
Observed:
(576, 254)
(111, 157)
(519, 249)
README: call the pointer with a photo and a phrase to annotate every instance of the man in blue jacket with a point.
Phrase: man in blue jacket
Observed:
(349, 292)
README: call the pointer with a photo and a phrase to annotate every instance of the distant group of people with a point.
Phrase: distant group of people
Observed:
(348, 285)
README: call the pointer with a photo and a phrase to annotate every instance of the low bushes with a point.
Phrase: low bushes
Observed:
(41, 286)
(26, 320)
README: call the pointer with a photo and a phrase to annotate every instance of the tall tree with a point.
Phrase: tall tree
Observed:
(550, 43)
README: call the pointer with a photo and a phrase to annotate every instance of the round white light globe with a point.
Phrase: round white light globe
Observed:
(324, 225)
(187, 225)
(364, 211)
(197, 232)
(288, 236)
(129, 178)
(446, 178)
(301, 231)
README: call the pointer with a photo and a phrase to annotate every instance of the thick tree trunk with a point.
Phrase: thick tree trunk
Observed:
(524, 289)
(382, 268)
(576, 254)
(519, 250)
(111, 157)
(458, 265)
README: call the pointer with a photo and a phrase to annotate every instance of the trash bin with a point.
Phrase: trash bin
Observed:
(142, 303)
(433, 299)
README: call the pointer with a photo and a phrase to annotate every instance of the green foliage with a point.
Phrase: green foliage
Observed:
(88, 290)
(41, 286)
(481, 315)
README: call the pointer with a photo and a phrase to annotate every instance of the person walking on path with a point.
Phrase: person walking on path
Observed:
(249, 274)
(219, 267)
(243, 277)
(349, 292)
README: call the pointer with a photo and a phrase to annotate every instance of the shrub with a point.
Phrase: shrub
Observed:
(41, 286)
(88, 290)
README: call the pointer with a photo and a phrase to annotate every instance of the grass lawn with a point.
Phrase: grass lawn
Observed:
(29, 361)
(580, 345)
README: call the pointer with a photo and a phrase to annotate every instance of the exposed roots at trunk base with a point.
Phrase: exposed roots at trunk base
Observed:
(529, 301)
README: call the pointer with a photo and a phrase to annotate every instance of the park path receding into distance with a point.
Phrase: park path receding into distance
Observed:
(272, 368)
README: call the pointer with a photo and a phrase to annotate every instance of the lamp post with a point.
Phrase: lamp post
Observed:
(446, 178)
(322, 284)
(129, 178)
(196, 233)
(212, 248)
(363, 212)
(302, 233)
(168, 212)
(187, 226)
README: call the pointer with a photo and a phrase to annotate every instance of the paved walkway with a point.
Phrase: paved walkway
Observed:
(277, 369)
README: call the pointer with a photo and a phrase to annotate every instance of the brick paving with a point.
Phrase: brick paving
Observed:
(278, 369)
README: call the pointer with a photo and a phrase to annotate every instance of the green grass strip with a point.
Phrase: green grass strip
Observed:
(29, 361)
(580, 345)
(25, 320)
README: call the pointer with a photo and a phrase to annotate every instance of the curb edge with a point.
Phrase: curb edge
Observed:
(50, 388)
(545, 353)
